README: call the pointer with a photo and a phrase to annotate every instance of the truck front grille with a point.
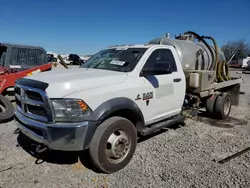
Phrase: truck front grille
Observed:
(34, 96)
(33, 102)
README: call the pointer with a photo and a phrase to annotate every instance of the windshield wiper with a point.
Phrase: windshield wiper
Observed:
(100, 63)
(97, 64)
(107, 59)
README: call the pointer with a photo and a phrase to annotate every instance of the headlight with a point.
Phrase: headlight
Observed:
(70, 109)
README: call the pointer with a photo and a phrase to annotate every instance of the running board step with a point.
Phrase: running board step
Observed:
(162, 124)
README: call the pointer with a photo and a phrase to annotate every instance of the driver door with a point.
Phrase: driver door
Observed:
(159, 91)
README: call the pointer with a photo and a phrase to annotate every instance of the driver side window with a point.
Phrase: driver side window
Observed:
(161, 57)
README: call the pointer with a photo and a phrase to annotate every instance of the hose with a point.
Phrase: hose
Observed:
(213, 67)
(219, 65)
(216, 63)
(207, 45)
(222, 75)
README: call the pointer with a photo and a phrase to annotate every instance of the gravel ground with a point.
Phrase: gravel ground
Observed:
(180, 157)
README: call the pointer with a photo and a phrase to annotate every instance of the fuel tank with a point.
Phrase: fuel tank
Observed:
(193, 55)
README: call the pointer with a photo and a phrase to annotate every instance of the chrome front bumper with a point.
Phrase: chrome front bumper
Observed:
(58, 136)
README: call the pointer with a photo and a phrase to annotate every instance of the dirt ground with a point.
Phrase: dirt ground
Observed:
(187, 156)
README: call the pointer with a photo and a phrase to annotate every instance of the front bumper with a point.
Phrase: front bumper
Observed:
(58, 136)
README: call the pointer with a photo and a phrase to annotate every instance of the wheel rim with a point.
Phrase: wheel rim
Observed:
(227, 105)
(118, 146)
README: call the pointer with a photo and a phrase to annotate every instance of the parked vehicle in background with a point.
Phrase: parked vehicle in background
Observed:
(74, 59)
(245, 62)
(17, 61)
(17, 58)
(240, 63)
(51, 58)
(21, 57)
(69, 59)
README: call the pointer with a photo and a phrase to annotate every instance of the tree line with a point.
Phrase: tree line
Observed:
(241, 49)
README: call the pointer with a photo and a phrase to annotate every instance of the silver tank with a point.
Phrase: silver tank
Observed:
(193, 56)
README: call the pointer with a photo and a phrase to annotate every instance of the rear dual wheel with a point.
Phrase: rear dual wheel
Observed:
(219, 105)
(113, 144)
(223, 106)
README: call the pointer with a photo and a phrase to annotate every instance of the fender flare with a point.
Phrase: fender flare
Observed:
(106, 109)
(114, 105)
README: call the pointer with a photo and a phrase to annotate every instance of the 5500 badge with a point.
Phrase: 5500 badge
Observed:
(145, 96)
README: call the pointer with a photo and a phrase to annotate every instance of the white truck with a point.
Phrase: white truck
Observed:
(245, 62)
(122, 93)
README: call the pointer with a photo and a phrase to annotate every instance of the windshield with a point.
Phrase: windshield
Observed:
(115, 59)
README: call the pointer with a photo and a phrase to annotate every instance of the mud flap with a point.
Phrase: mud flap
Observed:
(210, 103)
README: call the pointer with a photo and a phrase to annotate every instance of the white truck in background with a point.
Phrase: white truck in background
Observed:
(69, 59)
(245, 62)
(124, 92)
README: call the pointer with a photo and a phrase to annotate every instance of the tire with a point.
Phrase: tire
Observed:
(223, 106)
(6, 109)
(103, 145)
(210, 104)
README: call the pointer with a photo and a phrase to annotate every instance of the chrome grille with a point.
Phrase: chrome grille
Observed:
(33, 103)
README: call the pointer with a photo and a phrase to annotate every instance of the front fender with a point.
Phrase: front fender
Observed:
(113, 105)
(106, 109)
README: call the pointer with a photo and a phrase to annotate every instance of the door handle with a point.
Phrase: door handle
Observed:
(177, 79)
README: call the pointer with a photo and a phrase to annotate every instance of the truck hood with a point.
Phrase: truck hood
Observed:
(68, 81)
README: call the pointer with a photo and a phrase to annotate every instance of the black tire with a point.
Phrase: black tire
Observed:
(99, 143)
(223, 106)
(7, 109)
(210, 104)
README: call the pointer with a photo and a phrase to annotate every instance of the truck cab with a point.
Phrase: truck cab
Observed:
(153, 78)
(21, 57)
(116, 95)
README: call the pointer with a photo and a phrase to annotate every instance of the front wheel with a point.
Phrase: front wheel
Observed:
(113, 144)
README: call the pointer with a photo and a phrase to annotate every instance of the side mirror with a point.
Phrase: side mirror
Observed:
(159, 69)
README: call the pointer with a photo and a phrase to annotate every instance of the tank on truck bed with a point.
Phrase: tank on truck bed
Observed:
(205, 68)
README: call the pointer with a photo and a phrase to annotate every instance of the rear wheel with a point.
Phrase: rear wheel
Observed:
(113, 144)
(210, 103)
(223, 106)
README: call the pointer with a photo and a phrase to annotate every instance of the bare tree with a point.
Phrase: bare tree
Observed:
(240, 48)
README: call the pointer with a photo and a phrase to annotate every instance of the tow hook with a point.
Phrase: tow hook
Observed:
(41, 148)
(16, 131)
